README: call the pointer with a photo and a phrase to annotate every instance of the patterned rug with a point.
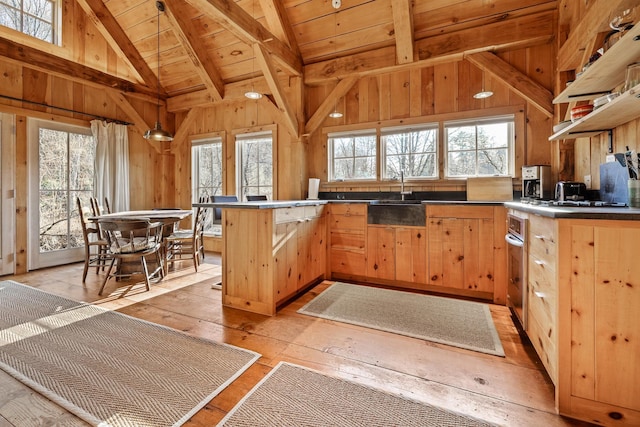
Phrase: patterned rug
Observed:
(464, 324)
(291, 395)
(108, 368)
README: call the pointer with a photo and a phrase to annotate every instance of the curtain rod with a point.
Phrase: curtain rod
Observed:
(68, 110)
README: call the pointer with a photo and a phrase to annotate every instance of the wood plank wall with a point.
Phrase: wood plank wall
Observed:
(444, 89)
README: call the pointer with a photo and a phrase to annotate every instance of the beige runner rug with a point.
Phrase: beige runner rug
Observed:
(464, 324)
(291, 396)
(108, 368)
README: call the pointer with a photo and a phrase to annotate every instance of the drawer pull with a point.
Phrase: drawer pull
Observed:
(537, 261)
(539, 294)
(538, 236)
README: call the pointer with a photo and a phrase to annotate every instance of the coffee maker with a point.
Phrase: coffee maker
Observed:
(536, 182)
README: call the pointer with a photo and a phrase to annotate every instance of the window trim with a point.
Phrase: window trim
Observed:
(476, 121)
(56, 24)
(251, 133)
(352, 133)
(394, 130)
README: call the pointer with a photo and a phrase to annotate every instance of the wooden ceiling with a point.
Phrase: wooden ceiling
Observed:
(211, 46)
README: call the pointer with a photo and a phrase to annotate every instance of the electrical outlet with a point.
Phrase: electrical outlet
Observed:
(587, 181)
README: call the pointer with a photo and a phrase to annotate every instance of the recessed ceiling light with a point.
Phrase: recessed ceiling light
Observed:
(253, 95)
(483, 94)
(335, 115)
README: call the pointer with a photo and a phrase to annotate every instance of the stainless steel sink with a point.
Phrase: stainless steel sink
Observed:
(397, 212)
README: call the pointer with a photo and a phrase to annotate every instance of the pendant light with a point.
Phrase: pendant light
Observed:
(157, 133)
(335, 114)
(483, 93)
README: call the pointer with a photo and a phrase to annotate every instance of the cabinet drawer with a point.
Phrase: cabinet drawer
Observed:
(542, 304)
(348, 240)
(543, 339)
(348, 222)
(349, 209)
(542, 237)
(348, 262)
(459, 211)
(289, 214)
(543, 274)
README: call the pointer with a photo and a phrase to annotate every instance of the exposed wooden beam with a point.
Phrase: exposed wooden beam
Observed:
(233, 18)
(33, 58)
(594, 21)
(107, 25)
(189, 40)
(277, 91)
(328, 104)
(139, 123)
(403, 29)
(278, 23)
(514, 33)
(520, 83)
(185, 127)
(202, 98)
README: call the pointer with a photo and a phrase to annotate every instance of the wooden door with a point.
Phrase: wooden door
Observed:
(7, 201)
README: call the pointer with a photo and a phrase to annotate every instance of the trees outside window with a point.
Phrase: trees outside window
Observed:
(412, 151)
(206, 174)
(35, 18)
(480, 147)
(255, 168)
(352, 156)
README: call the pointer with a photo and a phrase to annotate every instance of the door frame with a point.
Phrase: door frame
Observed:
(7, 191)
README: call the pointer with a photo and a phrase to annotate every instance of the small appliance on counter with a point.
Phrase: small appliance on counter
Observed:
(536, 182)
(570, 190)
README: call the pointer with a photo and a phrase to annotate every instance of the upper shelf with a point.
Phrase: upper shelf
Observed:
(621, 110)
(607, 72)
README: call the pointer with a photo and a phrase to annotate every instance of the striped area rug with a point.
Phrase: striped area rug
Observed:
(464, 324)
(291, 395)
(108, 368)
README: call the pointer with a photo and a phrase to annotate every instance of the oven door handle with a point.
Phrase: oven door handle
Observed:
(513, 241)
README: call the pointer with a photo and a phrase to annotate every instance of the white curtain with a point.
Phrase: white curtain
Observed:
(111, 164)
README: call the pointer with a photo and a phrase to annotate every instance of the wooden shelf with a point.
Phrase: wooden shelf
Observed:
(621, 110)
(607, 72)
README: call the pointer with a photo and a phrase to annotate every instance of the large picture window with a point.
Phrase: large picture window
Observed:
(480, 147)
(255, 167)
(410, 150)
(352, 156)
(35, 18)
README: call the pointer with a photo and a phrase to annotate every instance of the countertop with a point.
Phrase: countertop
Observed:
(611, 213)
(269, 204)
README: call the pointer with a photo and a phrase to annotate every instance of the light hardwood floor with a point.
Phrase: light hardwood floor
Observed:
(510, 391)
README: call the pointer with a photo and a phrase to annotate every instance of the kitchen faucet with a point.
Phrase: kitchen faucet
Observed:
(402, 192)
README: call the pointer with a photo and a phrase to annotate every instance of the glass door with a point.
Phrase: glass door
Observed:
(7, 199)
(62, 168)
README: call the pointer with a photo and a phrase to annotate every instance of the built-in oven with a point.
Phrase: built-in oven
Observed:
(517, 267)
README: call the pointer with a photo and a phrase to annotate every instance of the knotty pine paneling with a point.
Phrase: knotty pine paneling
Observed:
(441, 89)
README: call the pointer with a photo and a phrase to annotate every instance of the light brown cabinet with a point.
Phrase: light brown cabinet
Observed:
(542, 292)
(466, 250)
(599, 343)
(397, 253)
(347, 237)
(271, 254)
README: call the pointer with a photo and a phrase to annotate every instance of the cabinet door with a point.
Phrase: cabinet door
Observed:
(285, 246)
(381, 254)
(411, 255)
(461, 253)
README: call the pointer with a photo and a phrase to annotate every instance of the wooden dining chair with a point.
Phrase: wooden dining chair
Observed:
(95, 247)
(129, 240)
(107, 206)
(187, 244)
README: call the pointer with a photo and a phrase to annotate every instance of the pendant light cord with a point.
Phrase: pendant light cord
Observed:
(159, 6)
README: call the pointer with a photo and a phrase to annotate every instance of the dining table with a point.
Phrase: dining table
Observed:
(168, 217)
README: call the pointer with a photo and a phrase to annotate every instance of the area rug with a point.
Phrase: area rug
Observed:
(291, 395)
(464, 324)
(108, 368)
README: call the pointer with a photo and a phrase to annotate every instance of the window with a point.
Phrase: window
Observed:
(32, 17)
(206, 167)
(62, 160)
(410, 150)
(479, 147)
(352, 156)
(206, 174)
(255, 168)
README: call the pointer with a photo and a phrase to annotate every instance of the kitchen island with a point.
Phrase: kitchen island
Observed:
(583, 296)
(271, 251)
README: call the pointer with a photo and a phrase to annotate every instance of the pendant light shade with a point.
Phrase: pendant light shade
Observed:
(157, 133)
